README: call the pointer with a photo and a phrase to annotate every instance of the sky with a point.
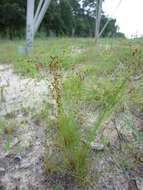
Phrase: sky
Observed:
(129, 15)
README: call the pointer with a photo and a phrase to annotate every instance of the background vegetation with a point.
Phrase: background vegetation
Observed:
(63, 18)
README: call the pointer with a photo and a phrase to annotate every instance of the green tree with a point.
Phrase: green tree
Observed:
(12, 19)
(66, 16)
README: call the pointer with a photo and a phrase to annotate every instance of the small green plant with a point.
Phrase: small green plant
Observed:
(30, 141)
(37, 118)
(72, 87)
(58, 187)
(74, 150)
(8, 144)
(23, 121)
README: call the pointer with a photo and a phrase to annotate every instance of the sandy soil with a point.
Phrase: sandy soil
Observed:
(22, 164)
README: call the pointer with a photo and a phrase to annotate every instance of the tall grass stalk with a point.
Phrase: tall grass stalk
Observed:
(75, 152)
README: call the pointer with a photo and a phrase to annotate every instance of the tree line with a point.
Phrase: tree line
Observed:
(63, 18)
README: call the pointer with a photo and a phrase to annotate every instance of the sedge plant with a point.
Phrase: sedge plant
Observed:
(75, 152)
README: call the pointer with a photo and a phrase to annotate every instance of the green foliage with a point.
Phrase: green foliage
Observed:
(66, 16)
(8, 142)
(72, 86)
(63, 18)
(99, 81)
(74, 151)
(12, 18)
(58, 187)
(68, 132)
(30, 142)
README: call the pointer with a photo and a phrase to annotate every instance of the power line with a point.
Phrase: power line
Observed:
(117, 7)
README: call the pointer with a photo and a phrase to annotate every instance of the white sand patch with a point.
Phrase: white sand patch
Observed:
(18, 92)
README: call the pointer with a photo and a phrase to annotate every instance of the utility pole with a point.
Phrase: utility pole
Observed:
(33, 21)
(29, 26)
(99, 32)
(98, 19)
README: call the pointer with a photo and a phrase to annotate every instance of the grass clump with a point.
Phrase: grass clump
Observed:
(74, 151)
(7, 126)
(74, 145)
(72, 86)
(68, 134)
(32, 66)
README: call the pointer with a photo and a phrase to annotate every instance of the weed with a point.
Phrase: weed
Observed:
(58, 187)
(23, 121)
(72, 87)
(10, 115)
(74, 151)
(8, 126)
(8, 144)
(37, 119)
(30, 142)
(54, 69)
